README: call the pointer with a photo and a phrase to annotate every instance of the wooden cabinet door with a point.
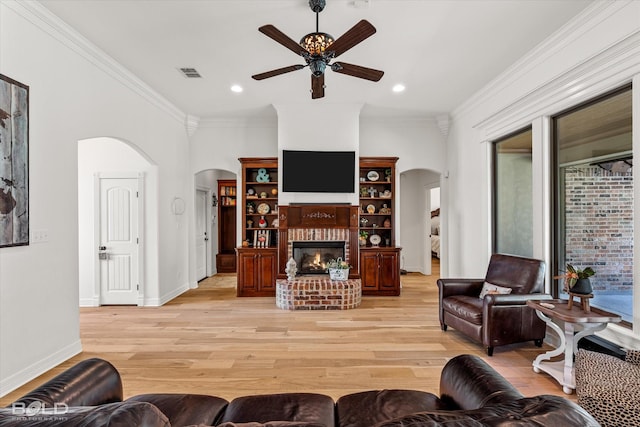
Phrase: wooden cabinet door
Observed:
(268, 266)
(389, 273)
(247, 273)
(369, 270)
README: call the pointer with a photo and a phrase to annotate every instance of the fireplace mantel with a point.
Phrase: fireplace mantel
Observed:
(318, 222)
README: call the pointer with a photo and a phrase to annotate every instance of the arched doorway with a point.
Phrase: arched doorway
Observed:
(114, 177)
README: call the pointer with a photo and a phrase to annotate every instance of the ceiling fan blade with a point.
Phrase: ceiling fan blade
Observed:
(357, 71)
(277, 35)
(317, 86)
(355, 35)
(277, 72)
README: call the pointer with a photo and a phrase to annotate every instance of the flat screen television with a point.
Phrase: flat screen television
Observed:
(318, 171)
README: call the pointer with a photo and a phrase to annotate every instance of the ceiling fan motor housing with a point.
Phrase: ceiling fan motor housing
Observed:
(317, 5)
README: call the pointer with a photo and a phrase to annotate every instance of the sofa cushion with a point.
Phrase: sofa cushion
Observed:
(431, 419)
(300, 407)
(273, 424)
(542, 410)
(464, 307)
(120, 414)
(185, 409)
(367, 408)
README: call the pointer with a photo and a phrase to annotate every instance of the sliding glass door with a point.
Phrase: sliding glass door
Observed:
(594, 198)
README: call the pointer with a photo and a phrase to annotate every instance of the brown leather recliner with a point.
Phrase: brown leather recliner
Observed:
(496, 319)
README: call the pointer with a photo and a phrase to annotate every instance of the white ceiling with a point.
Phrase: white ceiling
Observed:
(442, 51)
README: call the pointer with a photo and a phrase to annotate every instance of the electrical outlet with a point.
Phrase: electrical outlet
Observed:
(40, 236)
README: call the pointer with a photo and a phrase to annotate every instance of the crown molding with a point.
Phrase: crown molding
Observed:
(44, 19)
(608, 70)
(591, 17)
(416, 120)
(238, 122)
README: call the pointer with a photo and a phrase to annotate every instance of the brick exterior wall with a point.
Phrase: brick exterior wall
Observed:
(599, 225)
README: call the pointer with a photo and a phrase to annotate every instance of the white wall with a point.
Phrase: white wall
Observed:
(435, 199)
(594, 53)
(74, 95)
(341, 135)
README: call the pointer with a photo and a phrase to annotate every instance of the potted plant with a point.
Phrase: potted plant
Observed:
(577, 280)
(338, 269)
(362, 237)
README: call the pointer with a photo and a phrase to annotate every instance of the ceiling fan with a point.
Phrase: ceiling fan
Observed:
(319, 49)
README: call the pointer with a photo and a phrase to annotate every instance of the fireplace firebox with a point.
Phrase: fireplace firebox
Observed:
(312, 257)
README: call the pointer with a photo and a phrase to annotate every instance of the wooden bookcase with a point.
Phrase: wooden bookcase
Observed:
(227, 201)
(377, 198)
(257, 257)
(379, 256)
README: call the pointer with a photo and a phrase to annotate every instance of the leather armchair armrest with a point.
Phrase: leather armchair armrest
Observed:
(448, 287)
(513, 299)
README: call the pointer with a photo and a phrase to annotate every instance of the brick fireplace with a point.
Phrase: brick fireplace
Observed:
(318, 223)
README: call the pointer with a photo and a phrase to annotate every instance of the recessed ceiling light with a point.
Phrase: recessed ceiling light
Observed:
(236, 88)
(399, 88)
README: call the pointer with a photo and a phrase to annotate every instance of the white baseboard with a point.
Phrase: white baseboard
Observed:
(7, 385)
(89, 302)
(157, 302)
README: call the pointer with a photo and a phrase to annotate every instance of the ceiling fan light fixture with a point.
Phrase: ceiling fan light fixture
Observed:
(316, 43)
(317, 67)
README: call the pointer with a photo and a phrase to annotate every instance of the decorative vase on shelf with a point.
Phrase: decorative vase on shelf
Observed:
(262, 223)
(582, 286)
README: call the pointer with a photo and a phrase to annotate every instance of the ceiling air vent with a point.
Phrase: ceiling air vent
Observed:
(190, 73)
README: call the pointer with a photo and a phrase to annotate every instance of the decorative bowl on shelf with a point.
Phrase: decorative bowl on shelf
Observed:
(263, 208)
(373, 176)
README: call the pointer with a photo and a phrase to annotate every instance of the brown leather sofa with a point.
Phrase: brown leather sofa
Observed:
(496, 319)
(471, 394)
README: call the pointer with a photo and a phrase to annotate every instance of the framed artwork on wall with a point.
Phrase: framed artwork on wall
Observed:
(14, 162)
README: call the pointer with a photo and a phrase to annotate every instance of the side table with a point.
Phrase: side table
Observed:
(577, 324)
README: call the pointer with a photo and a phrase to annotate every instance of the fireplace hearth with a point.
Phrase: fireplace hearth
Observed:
(312, 257)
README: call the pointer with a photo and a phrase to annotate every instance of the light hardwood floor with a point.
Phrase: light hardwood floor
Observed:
(209, 341)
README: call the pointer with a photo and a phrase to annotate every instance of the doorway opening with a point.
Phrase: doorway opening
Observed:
(113, 175)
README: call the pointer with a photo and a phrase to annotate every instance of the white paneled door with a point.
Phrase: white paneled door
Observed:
(118, 245)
